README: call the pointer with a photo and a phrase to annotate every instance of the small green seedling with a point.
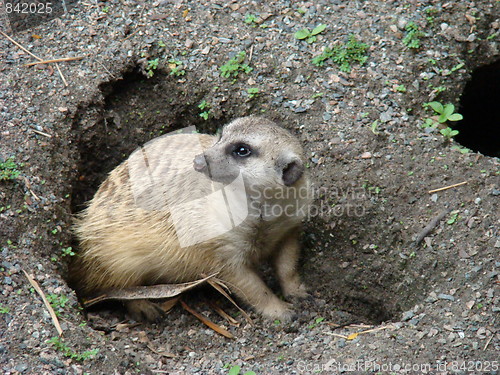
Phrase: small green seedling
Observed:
(316, 322)
(446, 112)
(453, 218)
(310, 36)
(374, 127)
(235, 66)
(413, 35)
(4, 309)
(401, 88)
(68, 251)
(8, 170)
(58, 302)
(176, 68)
(344, 54)
(251, 19)
(152, 66)
(235, 370)
(252, 92)
(61, 346)
(205, 107)
(448, 133)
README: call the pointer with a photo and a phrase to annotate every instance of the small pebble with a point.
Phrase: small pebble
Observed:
(447, 297)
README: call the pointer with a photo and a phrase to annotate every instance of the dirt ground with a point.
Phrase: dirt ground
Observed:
(431, 307)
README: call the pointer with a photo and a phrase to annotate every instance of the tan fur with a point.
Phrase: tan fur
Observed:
(129, 239)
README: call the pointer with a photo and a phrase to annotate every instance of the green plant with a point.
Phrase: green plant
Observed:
(251, 19)
(401, 88)
(252, 92)
(235, 370)
(448, 132)
(310, 36)
(413, 35)
(453, 218)
(344, 54)
(152, 66)
(58, 302)
(374, 127)
(235, 66)
(463, 150)
(8, 169)
(205, 107)
(176, 68)
(60, 345)
(4, 309)
(316, 322)
(445, 112)
(456, 67)
(68, 251)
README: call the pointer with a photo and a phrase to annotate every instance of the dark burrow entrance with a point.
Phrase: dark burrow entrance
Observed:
(480, 128)
(134, 109)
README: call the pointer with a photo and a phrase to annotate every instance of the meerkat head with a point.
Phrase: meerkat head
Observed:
(256, 148)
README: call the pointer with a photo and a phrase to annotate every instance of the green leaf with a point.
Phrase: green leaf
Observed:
(442, 118)
(235, 370)
(250, 373)
(318, 29)
(455, 117)
(448, 110)
(311, 39)
(302, 34)
(436, 106)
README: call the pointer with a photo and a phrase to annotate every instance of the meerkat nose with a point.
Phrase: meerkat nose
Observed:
(199, 163)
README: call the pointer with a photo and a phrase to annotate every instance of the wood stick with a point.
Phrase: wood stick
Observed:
(447, 187)
(20, 46)
(429, 227)
(55, 60)
(62, 76)
(41, 133)
(46, 302)
(35, 56)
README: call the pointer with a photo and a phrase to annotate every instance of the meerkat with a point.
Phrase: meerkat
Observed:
(188, 205)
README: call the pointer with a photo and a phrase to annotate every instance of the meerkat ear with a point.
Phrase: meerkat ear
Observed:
(292, 170)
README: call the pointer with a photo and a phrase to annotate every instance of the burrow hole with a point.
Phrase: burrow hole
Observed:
(137, 109)
(480, 128)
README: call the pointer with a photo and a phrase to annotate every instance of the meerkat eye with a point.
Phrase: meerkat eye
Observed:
(242, 151)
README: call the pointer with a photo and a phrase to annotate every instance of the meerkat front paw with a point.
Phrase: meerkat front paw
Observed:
(277, 309)
(143, 309)
(298, 291)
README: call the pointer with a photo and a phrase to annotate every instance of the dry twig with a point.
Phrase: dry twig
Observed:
(429, 228)
(55, 60)
(46, 302)
(207, 321)
(447, 187)
(35, 56)
(216, 283)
